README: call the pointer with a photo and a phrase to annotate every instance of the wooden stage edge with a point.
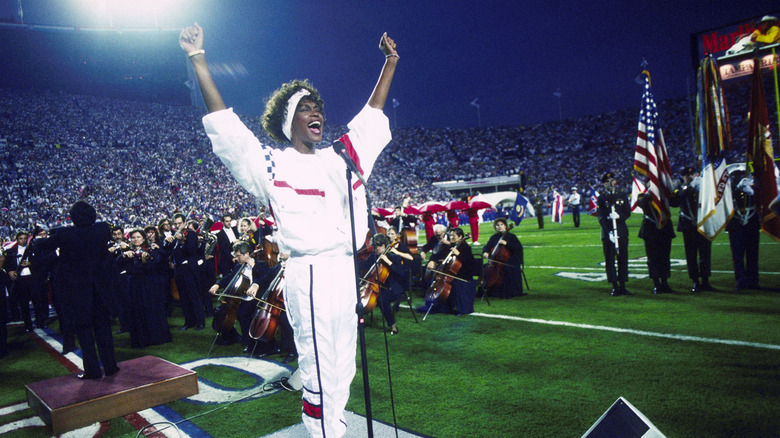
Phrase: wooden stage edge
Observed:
(66, 403)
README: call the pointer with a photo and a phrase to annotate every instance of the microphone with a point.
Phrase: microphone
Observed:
(341, 150)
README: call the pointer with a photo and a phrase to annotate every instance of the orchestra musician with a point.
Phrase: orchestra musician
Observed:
(257, 275)
(512, 265)
(394, 287)
(464, 287)
(148, 322)
(299, 183)
(225, 238)
(5, 280)
(185, 260)
(18, 268)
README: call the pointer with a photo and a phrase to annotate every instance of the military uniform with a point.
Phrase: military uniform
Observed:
(743, 229)
(617, 202)
(698, 248)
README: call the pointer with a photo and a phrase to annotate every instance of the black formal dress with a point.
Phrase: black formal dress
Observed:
(148, 322)
(463, 288)
(394, 287)
(512, 284)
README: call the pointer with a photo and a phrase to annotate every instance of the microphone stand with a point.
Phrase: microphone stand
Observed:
(359, 307)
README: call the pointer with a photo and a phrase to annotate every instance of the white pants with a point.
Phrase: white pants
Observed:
(320, 299)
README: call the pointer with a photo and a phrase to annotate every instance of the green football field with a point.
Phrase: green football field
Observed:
(544, 365)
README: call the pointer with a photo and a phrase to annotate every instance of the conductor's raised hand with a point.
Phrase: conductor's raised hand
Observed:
(191, 38)
(387, 45)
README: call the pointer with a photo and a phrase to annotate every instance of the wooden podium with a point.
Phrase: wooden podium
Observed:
(66, 403)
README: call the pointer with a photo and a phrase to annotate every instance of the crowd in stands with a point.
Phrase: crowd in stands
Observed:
(137, 162)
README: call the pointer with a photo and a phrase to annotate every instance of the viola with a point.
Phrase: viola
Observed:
(230, 298)
(373, 281)
(270, 306)
(493, 274)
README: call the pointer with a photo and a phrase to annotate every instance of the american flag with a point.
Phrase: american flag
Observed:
(650, 158)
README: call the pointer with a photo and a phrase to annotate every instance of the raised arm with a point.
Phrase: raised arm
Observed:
(379, 95)
(191, 41)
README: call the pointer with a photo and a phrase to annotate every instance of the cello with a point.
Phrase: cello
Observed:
(493, 274)
(374, 280)
(230, 298)
(270, 306)
(440, 288)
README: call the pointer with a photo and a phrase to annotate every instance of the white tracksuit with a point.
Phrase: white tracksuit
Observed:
(307, 195)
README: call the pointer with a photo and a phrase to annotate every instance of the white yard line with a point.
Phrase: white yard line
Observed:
(635, 332)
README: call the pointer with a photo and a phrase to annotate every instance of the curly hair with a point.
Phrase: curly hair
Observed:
(277, 103)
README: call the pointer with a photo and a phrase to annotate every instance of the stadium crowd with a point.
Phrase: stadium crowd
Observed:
(138, 162)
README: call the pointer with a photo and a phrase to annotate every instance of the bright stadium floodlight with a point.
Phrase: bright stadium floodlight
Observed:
(130, 14)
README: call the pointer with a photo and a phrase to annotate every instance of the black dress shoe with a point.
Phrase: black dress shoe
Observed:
(696, 287)
(84, 376)
(200, 327)
(111, 372)
(657, 290)
(706, 286)
(623, 291)
(668, 289)
(615, 292)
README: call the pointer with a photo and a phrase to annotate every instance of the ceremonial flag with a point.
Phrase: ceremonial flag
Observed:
(759, 150)
(593, 205)
(713, 137)
(650, 158)
(636, 188)
(517, 213)
(557, 208)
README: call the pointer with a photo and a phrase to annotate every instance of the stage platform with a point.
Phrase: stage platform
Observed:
(65, 403)
(358, 428)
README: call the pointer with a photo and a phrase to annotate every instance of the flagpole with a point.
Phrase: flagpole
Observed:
(777, 96)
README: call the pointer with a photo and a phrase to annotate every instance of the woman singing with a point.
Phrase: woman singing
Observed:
(299, 183)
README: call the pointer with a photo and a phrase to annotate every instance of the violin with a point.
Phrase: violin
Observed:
(440, 288)
(230, 298)
(374, 280)
(493, 274)
(265, 322)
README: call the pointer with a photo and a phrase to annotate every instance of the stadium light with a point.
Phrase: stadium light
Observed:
(130, 14)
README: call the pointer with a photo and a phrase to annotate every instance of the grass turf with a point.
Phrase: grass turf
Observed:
(476, 376)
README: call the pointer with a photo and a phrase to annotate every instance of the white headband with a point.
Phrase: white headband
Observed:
(289, 112)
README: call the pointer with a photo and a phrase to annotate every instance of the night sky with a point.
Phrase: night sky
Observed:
(510, 55)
